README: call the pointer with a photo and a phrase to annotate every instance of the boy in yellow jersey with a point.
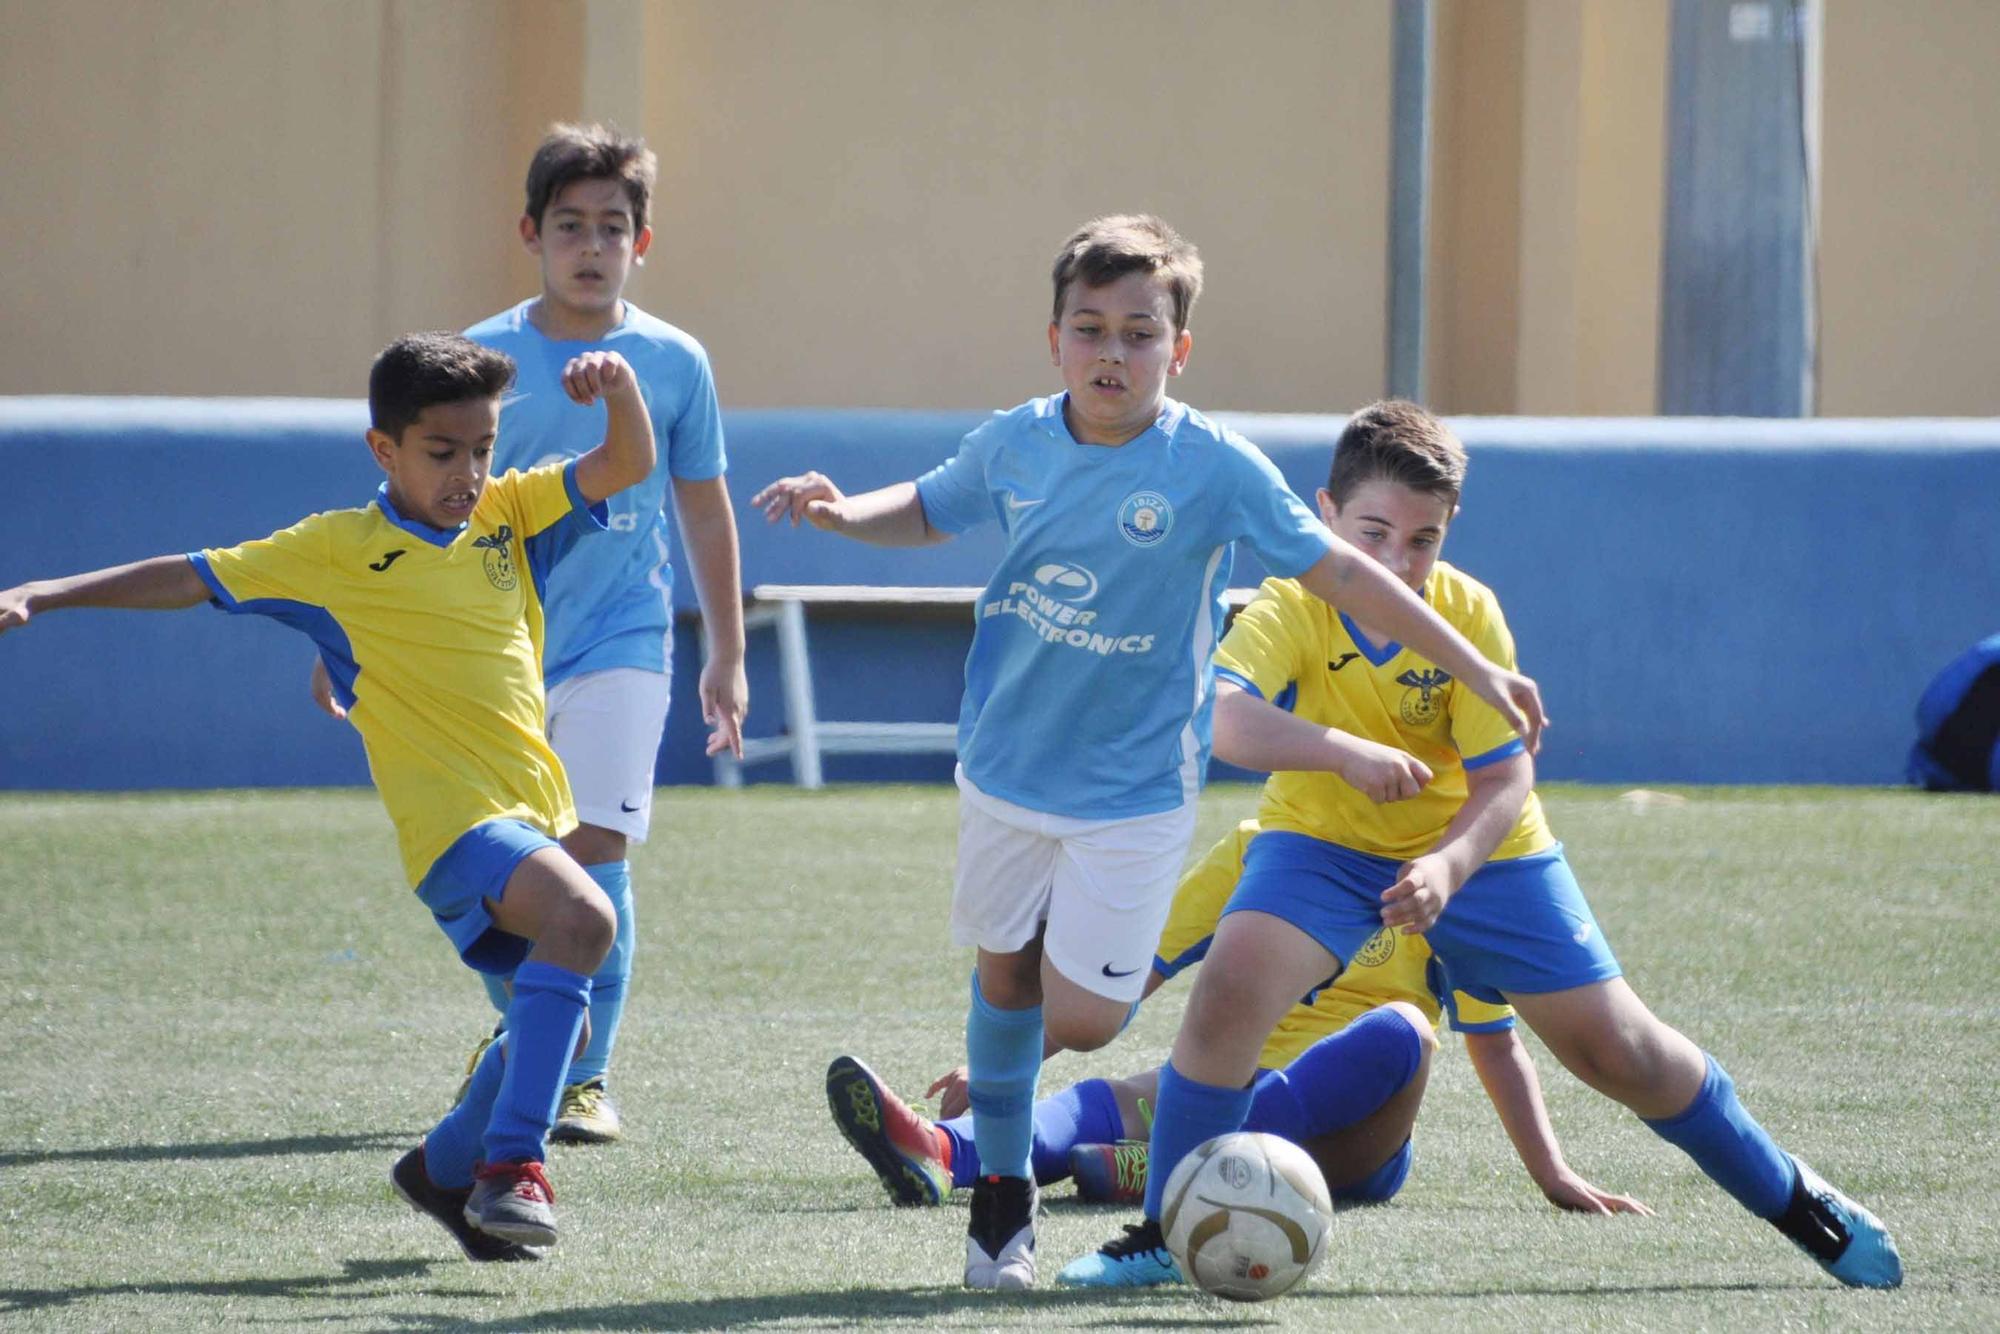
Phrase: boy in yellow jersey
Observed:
(425, 605)
(1342, 1075)
(1468, 860)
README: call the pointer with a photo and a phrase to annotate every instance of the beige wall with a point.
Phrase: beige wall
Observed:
(859, 200)
(1910, 207)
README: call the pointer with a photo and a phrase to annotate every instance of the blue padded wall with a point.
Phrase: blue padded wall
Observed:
(1702, 600)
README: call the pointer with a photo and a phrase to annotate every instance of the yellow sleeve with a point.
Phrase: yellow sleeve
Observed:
(537, 499)
(1477, 730)
(1199, 900)
(1264, 646)
(288, 566)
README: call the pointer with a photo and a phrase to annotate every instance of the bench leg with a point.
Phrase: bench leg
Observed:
(795, 673)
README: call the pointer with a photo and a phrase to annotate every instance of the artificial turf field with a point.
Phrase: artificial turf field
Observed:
(222, 1019)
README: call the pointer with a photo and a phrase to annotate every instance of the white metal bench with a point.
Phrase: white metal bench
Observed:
(807, 736)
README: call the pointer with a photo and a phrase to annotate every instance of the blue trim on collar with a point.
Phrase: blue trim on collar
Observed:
(1376, 656)
(437, 537)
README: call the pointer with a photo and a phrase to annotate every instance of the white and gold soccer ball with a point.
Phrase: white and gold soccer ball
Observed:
(1246, 1216)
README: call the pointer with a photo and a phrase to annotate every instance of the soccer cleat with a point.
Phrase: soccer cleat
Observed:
(586, 1115)
(413, 1182)
(513, 1201)
(465, 1084)
(1139, 1259)
(910, 1155)
(1849, 1242)
(1000, 1239)
(1110, 1173)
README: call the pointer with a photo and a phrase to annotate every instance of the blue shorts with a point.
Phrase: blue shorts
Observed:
(471, 871)
(1381, 1185)
(1519, 925)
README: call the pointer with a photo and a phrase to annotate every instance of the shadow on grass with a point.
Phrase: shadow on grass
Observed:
(353, 1274)
(925, 1306)
(249, 1148)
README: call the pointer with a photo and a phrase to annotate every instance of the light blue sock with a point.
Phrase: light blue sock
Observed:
(1726, 1142)
(1003, 1051)
(1188, 1115)
(1339, 1080)
(607, 985)
(452, 1147)
(542, 1027)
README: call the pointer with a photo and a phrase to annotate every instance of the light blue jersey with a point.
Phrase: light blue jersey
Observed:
(609, 606)
(1088, 689)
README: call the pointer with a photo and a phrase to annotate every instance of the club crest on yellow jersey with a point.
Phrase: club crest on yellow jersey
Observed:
(1381, 947)
(499, 559)
(1424, 699)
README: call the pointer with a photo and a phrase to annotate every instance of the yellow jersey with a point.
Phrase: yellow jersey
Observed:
(1287, 638)
(433, 639)
(1390, 967)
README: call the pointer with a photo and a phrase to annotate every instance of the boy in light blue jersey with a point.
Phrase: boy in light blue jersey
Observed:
(1083, 731)
(609, 651)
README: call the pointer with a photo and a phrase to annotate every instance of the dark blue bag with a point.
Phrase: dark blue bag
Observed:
(1958, 724)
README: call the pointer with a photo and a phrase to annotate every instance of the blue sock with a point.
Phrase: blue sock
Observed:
(452, 1147)
(1003, 1050)
(1188, 1115)
(964, 1150)
(1726, 1142)
(1339, 1080)
(607, 985)
(1085, 1113)
(496, 991)
(542, 1027)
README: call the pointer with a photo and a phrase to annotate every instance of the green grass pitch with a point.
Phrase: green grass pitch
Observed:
(221, 1019)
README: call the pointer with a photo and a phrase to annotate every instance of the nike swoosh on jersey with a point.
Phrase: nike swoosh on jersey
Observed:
(1016, 504)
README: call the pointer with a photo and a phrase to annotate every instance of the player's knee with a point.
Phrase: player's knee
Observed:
(1421, 1031)
(1074, 1032)
(587, 926)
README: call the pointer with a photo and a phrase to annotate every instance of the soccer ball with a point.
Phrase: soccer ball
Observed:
(1246, 1216)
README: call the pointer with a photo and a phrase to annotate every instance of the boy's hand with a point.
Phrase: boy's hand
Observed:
(1567, 1190)
(1414, 903)
(811, 496)
(596, 375)
(321, 686)
(952, 1090)
(1381, 773)
(725, 695)
(14, 611)
(1519, 701)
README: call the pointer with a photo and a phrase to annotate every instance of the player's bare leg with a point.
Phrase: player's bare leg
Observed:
(586, 1113)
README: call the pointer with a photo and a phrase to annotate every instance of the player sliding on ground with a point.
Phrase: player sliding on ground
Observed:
(426, 608)
(1342, 1076)
(1469, 861)
(1083, 732)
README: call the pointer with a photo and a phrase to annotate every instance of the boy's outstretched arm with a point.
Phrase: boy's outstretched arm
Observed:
(890, 517)
(1508, 1073)
(164, 583)
(1368, 592)
(626, 457)
(708, 530)
(1259, 735)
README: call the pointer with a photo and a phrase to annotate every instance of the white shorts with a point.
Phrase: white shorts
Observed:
(605, 727)
(1103, 887)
